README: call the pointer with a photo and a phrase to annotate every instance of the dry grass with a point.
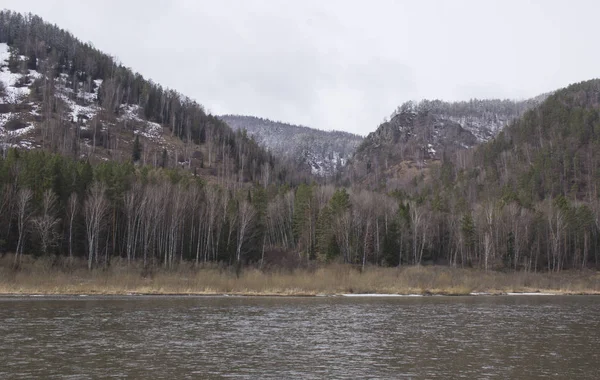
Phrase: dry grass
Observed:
(46, 276)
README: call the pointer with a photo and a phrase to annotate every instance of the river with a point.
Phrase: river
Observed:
(156, 337)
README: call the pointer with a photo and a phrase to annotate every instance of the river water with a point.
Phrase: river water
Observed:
(503, 337)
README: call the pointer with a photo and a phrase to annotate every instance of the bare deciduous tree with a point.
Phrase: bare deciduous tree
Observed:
(45, 224)
(72, 207)
(23, 214)
(420, 225)
(96, 206)
(246, 214)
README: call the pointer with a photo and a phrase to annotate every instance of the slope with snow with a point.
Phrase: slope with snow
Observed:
(427, 129)
(19, 110)
(324, 152)
(15, 91)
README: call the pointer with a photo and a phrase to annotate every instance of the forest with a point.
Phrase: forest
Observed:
(527, 200)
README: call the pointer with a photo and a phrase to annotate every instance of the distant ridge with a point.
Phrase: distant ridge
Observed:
(324, 152)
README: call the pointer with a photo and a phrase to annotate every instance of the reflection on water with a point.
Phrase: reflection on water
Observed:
(214, 337)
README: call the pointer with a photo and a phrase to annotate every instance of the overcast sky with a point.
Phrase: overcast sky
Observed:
(339, 64)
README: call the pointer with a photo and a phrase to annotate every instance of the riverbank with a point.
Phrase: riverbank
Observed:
(43, 276)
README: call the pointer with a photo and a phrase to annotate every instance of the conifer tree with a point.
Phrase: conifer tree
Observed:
(137, 149)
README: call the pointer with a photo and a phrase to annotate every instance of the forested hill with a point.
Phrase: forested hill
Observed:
(527, 198)
(60, 94)
(323, 152)
(552, 152)
(420, 133)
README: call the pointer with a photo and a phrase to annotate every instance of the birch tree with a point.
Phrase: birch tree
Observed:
(45, 224)
(246, 214)
(95, 209)
(23, 215)
(72, 206)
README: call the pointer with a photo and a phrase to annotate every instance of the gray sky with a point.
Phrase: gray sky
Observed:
(339, 64)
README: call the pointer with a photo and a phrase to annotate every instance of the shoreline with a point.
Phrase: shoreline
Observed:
(292, 295)
(41, 277)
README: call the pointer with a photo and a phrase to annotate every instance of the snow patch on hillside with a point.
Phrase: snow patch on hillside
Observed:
(147, 129)
(14, 139)
(483, 129)
(82, 105)
(131, 112)
(323, 152)
(15, 92)
(153, 131)
(16, 89)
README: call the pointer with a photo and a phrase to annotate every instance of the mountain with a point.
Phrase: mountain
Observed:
(527, 198)
(324, 152)
(423, 132)
(65, 96)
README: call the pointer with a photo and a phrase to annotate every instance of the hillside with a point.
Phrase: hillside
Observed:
(418, 134)
(552, 151)
(527, 198)
(324, 152)
(62, 95)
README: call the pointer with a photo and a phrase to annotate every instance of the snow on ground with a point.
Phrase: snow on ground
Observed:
(13, 94)
(131, 112)
(324, 165)
(482, 129)
(13, 139)
(84, 107)
(430, 149)
(152, 131)
(78, 111)
(4, 118)
(89, 96)
(35, 109)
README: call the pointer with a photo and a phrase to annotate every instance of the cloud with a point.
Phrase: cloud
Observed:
(338, 64)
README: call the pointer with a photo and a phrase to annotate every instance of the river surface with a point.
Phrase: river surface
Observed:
(163, 337)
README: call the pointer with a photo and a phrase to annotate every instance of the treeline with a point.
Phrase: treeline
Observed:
(481, 108)
(52, 205)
